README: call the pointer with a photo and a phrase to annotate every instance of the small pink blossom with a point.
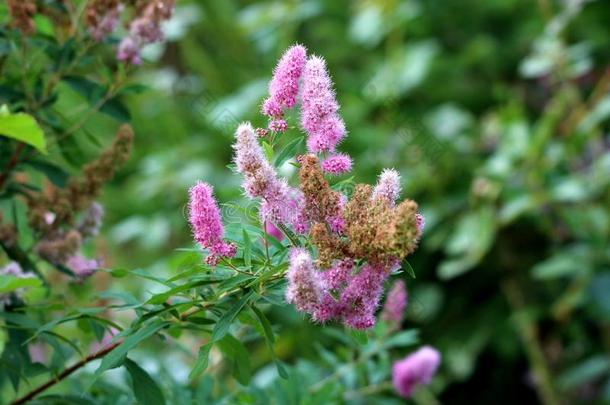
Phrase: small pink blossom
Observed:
(416, 369)
(81, 266)
(278, 125)
(336, 164)
(108, 23)
(388, 186)
(129, 51)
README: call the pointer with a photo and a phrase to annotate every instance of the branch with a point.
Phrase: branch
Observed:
(11, 164)
(101, 353)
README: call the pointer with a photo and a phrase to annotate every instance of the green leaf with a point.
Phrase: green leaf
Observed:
(268, 151)
(270, 339)
(358, 336)
(402, 339)
(560, 265)
(247, 249)
(22, 127)
(202, 361)
(115, 357)
(144, 387)
(235, 350)
(223, 324)
(265, 324)
(12, 283)
(406, 266)
(584, 371)
(164, 296)
(287, 152)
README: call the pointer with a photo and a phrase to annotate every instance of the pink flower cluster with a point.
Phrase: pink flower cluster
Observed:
(204, 217)
(319, 107)
(280, 202)
(418, 368)
(358, 294)
(344, 292)
(81, 266)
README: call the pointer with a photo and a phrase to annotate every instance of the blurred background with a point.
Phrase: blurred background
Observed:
(496, 115)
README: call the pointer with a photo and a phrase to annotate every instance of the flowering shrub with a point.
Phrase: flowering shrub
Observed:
(328, 249)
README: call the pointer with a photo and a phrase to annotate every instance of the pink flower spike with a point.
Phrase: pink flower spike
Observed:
(395, 304)
(205, 220)
(361, 297)
(415, 369)
(304, 285)
(336, 164)
(319, 117)
(284, 86)
(388, 186)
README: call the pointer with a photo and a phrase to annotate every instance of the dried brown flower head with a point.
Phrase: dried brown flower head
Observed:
(22, 13)
(321, 202)
(57, 206)
(59, 249)
(375, 231)
(330, 246)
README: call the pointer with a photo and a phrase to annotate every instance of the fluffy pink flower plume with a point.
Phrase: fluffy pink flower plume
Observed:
(362, 295)
(336, 164)
(281, 203)
(305, 288)
(284, 86)
(312, 290)
(81, 266)
(395, 304)
(319, 109)
(415, 369)
(205, 220)
(388, 186)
